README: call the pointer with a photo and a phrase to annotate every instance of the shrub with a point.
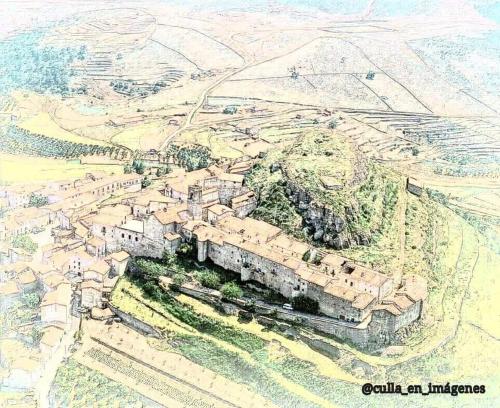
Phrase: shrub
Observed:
(31, 300)
(208, 279)
(231, 290)
(306, 255)
(169, 259)
(186, 249)
(332, 124)
(152, 289)
(149, 270)
(146, 182)
(177, 281)
(161, 171)
(230, 110)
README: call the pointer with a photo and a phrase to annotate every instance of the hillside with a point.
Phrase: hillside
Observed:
(322, 189)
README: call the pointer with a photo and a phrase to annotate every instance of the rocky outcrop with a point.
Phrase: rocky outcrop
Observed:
(322, 223)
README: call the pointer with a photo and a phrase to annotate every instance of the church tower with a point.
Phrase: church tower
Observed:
(194, 199)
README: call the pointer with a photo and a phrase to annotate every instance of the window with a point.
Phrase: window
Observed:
(103, 229)
(123, 235)
(351, 283)
(130, 237)
(136, 239)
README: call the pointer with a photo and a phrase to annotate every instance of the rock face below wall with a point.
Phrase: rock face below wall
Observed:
(321, 223)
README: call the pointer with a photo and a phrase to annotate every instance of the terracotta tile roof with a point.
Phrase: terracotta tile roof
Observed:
(60, 296)
(243, 198)
(26, 278)
(119, 256)
(9, 288)
(249, 228)
(170, 215)
(52, 336)
(101, 267)
(91, 284)
(96, 241)
(220, 209)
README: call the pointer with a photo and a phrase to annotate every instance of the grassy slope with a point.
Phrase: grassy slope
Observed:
(263, 371)
(374, 201)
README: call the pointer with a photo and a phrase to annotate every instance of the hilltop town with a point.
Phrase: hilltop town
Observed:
(86, 242)
(247, 204)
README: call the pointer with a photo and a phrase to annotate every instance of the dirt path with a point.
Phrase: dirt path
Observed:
(199, 103)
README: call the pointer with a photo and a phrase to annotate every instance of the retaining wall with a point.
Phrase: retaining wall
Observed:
(135, 323)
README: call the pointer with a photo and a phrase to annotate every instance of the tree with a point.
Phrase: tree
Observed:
(169, 259)
(25, 242)
(209, 279)
(305, 304)
(127, 169)
(38, 200)
(138, 166)
(231, 290)
(36, 334)
(145, 182)
(185, 248)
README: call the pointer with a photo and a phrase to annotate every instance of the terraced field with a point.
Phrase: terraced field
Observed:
(78, 386)
(452, 146)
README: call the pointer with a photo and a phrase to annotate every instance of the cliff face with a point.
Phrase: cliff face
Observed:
(323, 224)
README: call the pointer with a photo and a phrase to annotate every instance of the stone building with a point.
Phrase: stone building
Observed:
(217, 212)
(119, 262)
(56, 305)
(244, 204)
(210, 208)
(345, 291)
(91, 294)
(96, 246)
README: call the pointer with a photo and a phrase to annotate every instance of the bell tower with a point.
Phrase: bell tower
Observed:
(194, 202)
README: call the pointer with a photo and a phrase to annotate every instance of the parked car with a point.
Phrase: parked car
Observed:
(287, 306)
